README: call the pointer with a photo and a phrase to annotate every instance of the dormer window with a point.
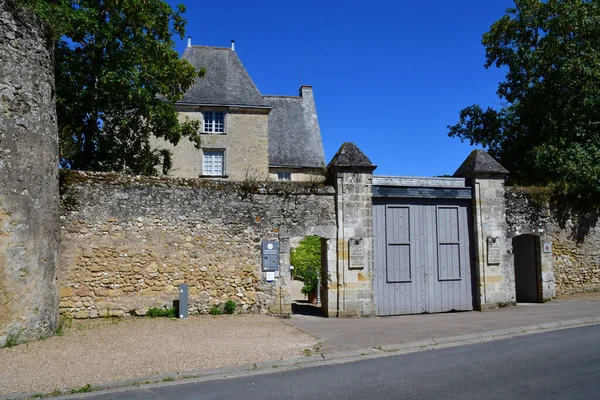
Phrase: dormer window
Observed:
(214, 121)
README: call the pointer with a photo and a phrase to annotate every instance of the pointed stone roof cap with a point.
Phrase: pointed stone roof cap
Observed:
(480, 164)
(349, 156)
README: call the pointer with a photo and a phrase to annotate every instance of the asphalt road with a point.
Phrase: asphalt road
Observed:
(556, 365)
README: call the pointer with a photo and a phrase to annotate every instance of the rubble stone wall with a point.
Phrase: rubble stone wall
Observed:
(128, 242)
(574, 235)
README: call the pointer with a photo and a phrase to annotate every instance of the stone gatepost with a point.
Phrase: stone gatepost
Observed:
(28, 178)
(350, 284)
(494, 283)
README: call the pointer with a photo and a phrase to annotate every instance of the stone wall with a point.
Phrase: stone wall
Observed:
(128, 242)
(28, 178)
(574, 262)
(299, 174)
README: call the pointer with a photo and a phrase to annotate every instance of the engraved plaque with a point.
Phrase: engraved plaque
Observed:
(357, 253)
(493, 251)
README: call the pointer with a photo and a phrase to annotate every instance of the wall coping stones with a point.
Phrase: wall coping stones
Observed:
(416, 181)
(67, 177)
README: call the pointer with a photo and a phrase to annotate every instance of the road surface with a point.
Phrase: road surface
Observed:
(561, 365)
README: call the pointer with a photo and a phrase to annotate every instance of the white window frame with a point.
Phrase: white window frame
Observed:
(213, 121)
(210, 162)
(284, 176)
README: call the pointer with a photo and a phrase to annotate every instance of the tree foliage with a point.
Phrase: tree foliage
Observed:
(117, 79)
(547, 130)
(306, 259)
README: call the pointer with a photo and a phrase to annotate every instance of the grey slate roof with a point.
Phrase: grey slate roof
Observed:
(349, 155)
(294, 133)
(226, 81)
(480, 163)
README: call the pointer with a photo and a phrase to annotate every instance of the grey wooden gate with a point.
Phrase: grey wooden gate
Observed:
(422, 256)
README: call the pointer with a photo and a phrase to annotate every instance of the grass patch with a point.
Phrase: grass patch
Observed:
(64, 323)
(229, 307)
(12, 339)
(155, 312)
(307, 352)
(317, 347)
(169, 379)
(214, 310)
(84, 389)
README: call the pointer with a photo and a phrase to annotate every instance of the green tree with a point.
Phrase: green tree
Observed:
(118, 77)
(547, 130)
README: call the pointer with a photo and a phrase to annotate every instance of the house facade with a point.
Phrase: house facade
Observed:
(244, 134)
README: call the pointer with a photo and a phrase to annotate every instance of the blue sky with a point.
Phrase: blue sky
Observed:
(389, 76)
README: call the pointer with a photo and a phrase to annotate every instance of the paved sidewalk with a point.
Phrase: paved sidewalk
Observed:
(363, 333)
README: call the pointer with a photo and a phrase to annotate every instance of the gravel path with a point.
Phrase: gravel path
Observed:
(97, 351)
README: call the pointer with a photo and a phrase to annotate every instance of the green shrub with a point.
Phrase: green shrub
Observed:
(214, 310)
(169, 312)
(306, 259)
(229, 307)
(307, 256)
(12, 339)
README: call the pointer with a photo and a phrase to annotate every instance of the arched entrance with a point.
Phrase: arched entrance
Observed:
(528, 268)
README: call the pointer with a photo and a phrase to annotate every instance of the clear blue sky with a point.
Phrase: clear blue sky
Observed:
(389, 76)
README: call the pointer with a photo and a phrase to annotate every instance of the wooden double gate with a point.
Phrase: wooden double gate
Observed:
(422, 255)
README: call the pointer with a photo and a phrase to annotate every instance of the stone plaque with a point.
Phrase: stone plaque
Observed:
(357, 253)
(547, 247)
(493, 251)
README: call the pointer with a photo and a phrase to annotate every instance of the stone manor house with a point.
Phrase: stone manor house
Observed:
(245, 134)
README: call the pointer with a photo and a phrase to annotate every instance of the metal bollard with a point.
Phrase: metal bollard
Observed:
(183, 301)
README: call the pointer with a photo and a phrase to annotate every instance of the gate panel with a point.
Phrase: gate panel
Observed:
(422, 256)
(398, 264)
(397, 287)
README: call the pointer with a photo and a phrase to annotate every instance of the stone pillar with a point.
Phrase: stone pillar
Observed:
(350, 288)
(28, 178)
(282, 307)
(494, 276)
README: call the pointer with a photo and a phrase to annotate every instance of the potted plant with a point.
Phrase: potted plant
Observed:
(311, 285)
